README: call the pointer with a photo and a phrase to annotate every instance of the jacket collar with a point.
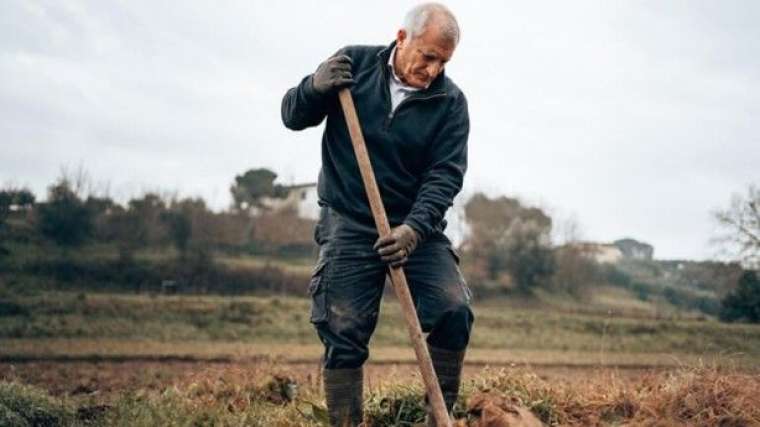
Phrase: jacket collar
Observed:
(436, 86)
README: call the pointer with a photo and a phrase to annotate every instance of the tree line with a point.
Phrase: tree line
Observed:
(508, 247)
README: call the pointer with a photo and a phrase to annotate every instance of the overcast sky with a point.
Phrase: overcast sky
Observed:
(637, 118)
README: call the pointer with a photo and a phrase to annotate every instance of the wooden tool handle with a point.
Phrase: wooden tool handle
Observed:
(398, 278)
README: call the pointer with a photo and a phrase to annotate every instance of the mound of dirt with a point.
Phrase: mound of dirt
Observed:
(496, 411)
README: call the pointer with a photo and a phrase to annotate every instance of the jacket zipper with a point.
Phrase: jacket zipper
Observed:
(393, 112)
(389, 105)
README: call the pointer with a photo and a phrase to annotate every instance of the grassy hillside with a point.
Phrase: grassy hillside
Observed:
(636, 288)
(500, 324)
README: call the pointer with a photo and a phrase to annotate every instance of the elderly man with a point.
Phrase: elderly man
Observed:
(415, 124)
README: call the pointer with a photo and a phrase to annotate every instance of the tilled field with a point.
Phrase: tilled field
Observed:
(288, 394)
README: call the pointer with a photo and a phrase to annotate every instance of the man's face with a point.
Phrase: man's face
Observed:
(421, 59)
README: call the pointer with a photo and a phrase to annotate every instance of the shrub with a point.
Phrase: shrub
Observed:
(65, 219)
(743, 303)
(23, 405)
(192, 274)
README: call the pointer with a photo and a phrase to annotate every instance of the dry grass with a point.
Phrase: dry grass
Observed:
(697, 396)
(271, 394)
(705, 397)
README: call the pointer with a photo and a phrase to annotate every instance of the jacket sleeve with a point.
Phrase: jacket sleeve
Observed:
(302, 106)
(443, 178)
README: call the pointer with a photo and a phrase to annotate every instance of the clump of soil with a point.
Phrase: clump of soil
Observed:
(486, 410)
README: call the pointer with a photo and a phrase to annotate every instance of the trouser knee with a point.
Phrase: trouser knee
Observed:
(452, 331)
(343, 350)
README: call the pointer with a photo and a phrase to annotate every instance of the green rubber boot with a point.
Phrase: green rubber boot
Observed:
(448, 367)
(343, 393)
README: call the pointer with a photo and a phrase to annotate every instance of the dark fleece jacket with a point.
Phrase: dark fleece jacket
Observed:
(418, 152)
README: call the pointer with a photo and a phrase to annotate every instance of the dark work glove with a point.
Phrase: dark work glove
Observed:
(332, 75)
(396, 247)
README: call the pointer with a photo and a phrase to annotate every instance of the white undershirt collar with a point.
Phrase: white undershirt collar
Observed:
(399, 90)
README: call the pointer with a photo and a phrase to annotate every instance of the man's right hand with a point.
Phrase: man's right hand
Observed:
(332, 75)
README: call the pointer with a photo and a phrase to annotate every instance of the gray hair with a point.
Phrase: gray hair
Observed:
(417, 20)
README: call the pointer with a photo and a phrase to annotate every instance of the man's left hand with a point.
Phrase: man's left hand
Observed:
(396, 247)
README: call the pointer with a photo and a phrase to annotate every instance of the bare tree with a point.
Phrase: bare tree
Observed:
(78, 180)
(568, 230)
(741, 226)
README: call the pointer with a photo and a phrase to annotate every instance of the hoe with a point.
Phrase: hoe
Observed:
(398, 278)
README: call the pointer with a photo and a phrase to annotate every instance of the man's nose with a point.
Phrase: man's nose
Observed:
(433, 69)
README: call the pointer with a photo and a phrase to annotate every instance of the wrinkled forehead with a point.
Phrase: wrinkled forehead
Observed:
(434, 39)
(445, 26)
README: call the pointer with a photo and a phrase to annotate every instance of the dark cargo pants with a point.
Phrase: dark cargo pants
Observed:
(348, 281)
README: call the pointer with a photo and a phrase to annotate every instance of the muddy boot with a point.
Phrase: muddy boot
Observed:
(448, 367)
(343, 393)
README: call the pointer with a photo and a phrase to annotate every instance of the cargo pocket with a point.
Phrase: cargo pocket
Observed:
(462, 282)
(318, 293)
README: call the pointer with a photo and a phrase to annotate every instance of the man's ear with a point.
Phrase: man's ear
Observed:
(400, 38)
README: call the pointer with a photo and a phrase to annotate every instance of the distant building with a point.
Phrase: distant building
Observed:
(616, 251)
(600, 252)
(301, 198)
